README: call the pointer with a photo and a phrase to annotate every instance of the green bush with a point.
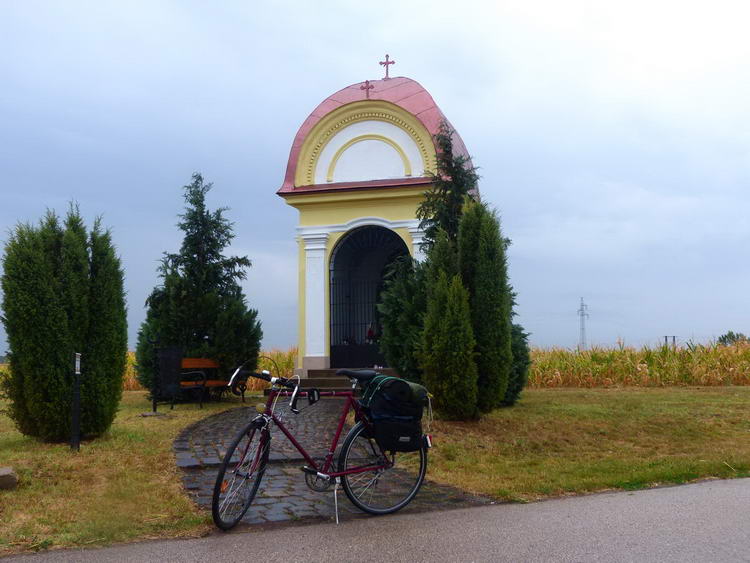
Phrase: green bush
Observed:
(731, 338)
(200, 306)
(402, 306)
(462, 237)
(484, 273)
(455, 181)
(63, 293)
(519, 373)
(447, 350)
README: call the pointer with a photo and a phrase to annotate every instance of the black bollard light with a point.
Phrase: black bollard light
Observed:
(75, 406)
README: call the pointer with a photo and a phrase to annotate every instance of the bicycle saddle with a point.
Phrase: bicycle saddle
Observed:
(361, 375)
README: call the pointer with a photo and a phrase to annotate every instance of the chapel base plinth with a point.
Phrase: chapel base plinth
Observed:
(315, 362)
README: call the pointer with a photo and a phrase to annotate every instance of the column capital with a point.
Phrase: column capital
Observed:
(417, 238)
(314, 240)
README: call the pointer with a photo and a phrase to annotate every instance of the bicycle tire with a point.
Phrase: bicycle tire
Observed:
(382, 491)
(238, 480)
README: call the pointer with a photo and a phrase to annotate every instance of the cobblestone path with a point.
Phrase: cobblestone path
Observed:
(283, 494)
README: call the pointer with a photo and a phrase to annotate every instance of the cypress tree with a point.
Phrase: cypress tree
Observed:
(200, 306)
(402, 307)
(106, 347)
(47, 285)
(447, 351)
(521, 361)
(442, 257)
(484, 273)
(455, 180)
(74, 277)
(36, 329)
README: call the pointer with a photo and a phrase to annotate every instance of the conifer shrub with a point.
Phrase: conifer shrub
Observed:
(519, 372)
(199, 305)
(63, 293)
(402, 306)
(484, 273)
(462, 238)
(455, 181)
(731, 338)
(442, 258)
(447, 350)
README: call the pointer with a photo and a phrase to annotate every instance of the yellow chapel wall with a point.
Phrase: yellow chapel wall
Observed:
(391, 204)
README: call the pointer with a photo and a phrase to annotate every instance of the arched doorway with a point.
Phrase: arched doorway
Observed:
(357, 267)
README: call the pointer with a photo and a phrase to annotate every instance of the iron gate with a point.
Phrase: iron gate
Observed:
(357, 266)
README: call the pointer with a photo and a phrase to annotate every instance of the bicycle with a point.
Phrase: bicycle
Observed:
(375, 481)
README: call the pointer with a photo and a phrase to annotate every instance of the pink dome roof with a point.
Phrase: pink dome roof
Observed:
(403, 92)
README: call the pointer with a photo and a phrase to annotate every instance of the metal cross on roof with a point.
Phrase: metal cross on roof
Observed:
(385, 63)
(367, 87)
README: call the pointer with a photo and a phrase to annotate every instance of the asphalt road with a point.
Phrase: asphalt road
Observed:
(708, 521)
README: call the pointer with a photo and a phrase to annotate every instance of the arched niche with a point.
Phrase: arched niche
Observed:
(357, 267)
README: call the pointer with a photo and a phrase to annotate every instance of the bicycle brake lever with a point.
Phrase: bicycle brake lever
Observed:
(293, 405)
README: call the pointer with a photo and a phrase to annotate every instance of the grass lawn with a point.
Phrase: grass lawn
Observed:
(125, 486)
(562, 441)
(117, 488)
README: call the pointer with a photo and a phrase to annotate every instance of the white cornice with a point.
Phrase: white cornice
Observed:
(308, 233)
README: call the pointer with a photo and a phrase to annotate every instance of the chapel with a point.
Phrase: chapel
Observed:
(357, 170)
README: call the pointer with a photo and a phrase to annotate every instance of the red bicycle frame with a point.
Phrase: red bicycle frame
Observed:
(351, 404)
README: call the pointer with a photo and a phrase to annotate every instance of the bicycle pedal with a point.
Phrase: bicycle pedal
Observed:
(310, 470)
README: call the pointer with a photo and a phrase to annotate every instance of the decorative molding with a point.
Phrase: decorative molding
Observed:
(417, 239)
(324, 230)
(344, 116)
(368, 137)
(315, 240)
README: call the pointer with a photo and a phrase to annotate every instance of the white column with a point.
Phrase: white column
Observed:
(315, 297)
(417, 237)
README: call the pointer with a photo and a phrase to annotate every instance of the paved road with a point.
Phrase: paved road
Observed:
(707, 521)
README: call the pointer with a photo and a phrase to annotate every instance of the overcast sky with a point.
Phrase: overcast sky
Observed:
(613, 137)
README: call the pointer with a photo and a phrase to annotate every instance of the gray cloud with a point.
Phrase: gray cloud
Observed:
(614, 140)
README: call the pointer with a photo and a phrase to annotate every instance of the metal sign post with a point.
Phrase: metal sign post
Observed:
(75, 407)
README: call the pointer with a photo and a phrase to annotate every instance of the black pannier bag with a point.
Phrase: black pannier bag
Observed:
(395, 407)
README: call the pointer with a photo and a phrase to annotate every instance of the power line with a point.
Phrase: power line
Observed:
(583, 315)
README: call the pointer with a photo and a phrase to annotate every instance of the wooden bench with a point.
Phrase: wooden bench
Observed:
(203, 365)
(175, 376)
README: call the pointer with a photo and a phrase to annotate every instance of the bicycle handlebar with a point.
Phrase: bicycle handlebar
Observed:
(265, 376)
(283, 381)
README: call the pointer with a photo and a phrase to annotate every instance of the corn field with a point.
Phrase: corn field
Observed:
(129, 381)
(710, 364)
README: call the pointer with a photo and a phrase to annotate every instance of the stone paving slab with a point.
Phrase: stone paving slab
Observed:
(205, 442)
(283, 494)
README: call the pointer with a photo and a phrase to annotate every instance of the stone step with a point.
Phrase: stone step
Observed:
(326, 379)
(326, 382)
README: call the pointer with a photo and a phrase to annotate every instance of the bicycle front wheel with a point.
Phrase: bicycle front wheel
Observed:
(240, 475)
(379, 491)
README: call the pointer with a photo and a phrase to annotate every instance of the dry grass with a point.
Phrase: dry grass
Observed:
(563, 441)
(711, 364)
(120, 487)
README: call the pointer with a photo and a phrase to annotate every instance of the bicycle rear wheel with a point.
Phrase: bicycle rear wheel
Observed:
(380, 491)
(240, 475)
